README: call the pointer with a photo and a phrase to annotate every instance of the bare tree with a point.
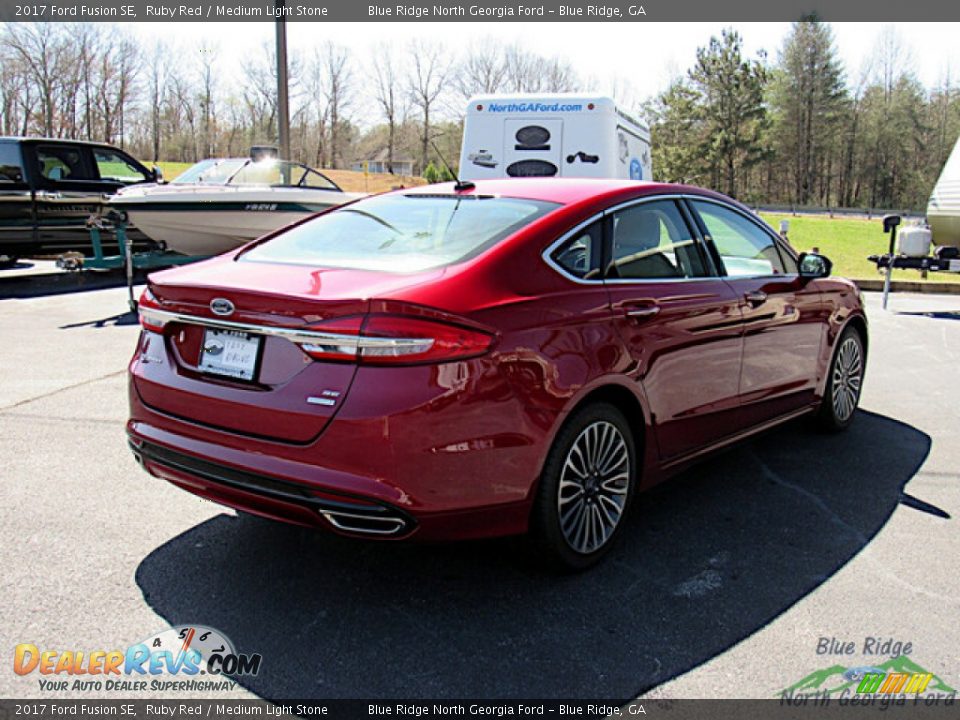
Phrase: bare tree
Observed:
(87, 49)
(890, 60)
(388, 97)
(430, 68)
(181, 97)
(15, 92)
(208, 57)
(334, 59)
(260, 91)
(127, 63)
(318, 110)
(40, 51)
(483, 69)
(156, 90)
(528, 72)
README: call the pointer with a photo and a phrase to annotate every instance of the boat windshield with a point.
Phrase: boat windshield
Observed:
(265, 173)
(281, 173)
(401, 233)
(209, 172)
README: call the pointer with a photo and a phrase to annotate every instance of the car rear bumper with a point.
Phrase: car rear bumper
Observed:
(282, 500)
(324, 498)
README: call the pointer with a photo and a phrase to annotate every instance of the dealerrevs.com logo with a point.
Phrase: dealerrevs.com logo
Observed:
(186, 658)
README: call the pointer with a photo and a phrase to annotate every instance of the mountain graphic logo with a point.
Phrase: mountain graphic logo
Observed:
(837, 678)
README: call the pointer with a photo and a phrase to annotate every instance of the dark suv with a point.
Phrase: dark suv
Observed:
(48, 189)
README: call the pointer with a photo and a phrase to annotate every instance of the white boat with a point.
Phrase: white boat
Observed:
(218, 205)
(943, 211)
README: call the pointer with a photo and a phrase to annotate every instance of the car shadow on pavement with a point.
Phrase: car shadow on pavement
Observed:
(128, 318)
(708, 558)
(63, 283)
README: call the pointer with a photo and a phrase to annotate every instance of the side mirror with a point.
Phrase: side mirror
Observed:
(157, 174)
(814, 265)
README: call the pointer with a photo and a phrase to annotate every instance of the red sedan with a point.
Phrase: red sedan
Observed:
(514, 356)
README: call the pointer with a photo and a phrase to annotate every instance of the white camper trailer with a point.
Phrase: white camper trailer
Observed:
(552, 136)
(943, 212)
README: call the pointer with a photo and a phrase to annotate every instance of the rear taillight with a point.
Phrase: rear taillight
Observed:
(396, 340)
(147, 308)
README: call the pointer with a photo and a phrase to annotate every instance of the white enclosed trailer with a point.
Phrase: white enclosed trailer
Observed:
(552, 136)
(943, 211)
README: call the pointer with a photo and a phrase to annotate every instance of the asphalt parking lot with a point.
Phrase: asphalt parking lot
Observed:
(727, 579)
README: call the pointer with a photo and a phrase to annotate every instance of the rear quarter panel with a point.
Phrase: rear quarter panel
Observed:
(842, 304)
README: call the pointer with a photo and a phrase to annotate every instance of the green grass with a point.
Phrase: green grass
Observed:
(847, 242)
(171, 169)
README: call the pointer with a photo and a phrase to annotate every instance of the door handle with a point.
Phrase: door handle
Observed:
(642, 311)
(755, 298)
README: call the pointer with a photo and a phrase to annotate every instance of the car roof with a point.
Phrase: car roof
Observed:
(56, 141)
(564, 191)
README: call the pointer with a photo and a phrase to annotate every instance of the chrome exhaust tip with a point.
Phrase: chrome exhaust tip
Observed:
(378, 521)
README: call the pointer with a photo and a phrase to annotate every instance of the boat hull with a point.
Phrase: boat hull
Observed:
(208, 231)
(209, 220)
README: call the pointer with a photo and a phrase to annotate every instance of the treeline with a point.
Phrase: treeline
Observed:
(799, 131)
(162, 102)
(794, 128)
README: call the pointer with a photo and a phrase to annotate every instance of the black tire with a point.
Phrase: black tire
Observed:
(844, 383)
(596, 495)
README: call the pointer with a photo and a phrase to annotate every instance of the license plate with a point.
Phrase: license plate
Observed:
(230, 353)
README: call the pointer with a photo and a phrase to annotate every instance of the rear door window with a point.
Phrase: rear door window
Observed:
(56, 163)
(652, 241)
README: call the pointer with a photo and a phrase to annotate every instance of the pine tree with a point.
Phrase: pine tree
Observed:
(731, 110)
(808, 102)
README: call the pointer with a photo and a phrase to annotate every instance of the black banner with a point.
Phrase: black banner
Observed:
(780, 709)
(473, 11)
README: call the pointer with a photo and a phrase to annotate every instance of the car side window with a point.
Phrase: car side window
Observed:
(11, 166)
(56, 162)
(651, 240)
(580, 255)
(746, 250)
(114, 166)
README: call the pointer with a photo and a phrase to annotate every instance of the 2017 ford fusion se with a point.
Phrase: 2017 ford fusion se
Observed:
(514, 356)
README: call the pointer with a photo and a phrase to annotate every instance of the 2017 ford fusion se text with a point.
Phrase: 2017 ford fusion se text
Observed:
(463, 361)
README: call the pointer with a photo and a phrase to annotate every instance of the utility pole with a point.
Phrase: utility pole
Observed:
(283, 101)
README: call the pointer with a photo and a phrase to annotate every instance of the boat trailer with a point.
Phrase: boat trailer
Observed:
(944, 259)
(128, 259)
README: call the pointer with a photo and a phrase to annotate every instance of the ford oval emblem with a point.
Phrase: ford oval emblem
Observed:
(221, 306)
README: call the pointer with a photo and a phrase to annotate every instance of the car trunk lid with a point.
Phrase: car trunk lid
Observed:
(232, 355)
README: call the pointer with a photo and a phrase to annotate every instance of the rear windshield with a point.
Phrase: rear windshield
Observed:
(401, 233)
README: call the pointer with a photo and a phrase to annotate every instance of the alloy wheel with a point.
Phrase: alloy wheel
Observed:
(847, 378)
(593, 487)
